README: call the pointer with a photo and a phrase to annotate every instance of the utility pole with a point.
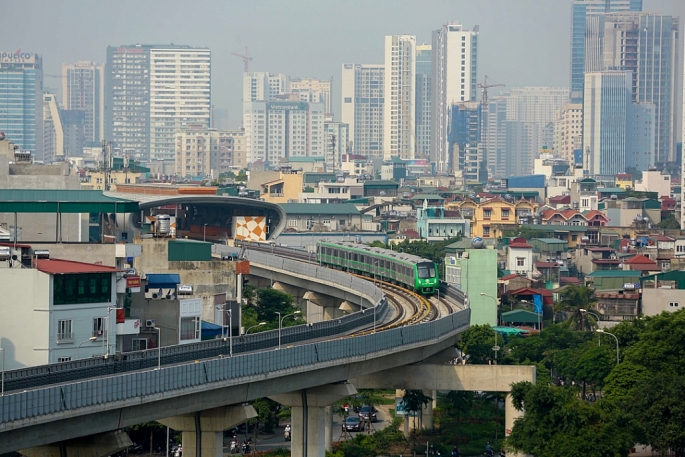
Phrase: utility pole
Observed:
(484, 86)
(107, 171)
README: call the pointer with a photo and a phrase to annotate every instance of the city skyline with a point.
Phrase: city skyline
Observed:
(525, 55)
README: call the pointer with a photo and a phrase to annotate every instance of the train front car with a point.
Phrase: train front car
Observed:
(427, 280)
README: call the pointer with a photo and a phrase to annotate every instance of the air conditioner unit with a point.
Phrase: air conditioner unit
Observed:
(150, 323)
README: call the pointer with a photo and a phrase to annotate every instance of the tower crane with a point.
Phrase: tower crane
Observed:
(484, 86)
(246, 59)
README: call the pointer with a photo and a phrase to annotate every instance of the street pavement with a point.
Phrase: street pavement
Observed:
(276, 441)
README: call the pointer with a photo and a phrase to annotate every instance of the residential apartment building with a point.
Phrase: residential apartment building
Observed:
(570, 131)
(263, 86)
(491, 218)
(283, 129)
(464, 139)
(400, 96)
(581, 9)
(337, 141)
(363, 107)
(239, 148)
(313, 90)
(83, 88)
(454, 55)
(422, 117)
(53, 134)
(153, 91)
(202, 152)
(21, 96)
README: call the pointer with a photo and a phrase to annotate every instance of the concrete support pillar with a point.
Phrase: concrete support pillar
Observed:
(312, 417)
(427, 410)
(211, 424)
(510, 415)
(88, 446)
(314, 313)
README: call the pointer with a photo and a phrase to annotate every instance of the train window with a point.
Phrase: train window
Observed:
(426, 270)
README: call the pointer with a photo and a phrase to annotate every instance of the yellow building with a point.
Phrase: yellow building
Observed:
(491, 218)
(95, 180)
(285, 189)
(624, 181)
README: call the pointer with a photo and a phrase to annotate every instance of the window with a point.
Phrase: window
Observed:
(426, 270)
(674, 304)
(82, 288)
(520, 261)
(348, 99)
(292, 223)
(585, 202)
(190, 328)
(486, 231)
(326, 221)
(99, 326)
(63, 359)
(341, 223)
(64, 330)
(505, 214)
(665, 265)
(139, 344)
(487, 213)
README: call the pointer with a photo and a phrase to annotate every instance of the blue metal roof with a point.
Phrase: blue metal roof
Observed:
(163, 281)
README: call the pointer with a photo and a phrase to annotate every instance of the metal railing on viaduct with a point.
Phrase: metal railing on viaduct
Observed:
(60, 390)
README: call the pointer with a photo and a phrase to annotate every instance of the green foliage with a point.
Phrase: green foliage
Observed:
(620, 385)
(432, 251)
(556, 422)
(377, 443)
(477, 343)
(525, 232)
(669, 222)
(241, 177)
(660, 347)
(308, 190)
(574, 299)
(379, 244)
(415, 400)
(267, 413)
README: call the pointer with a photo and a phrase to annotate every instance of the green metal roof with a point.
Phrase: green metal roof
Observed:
(522, 316)
(381, 183)
(555, 228)
(673, 275)
(550, 240)
(611, 190)
(319, 208)
(305, 159)
(63, 201)
(315, 177)
(427, 197)
(615, 274)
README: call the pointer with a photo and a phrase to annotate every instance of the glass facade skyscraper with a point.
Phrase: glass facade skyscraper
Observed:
(21, 100)
(581, 9)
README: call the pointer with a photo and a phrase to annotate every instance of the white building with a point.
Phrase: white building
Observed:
(313, 90)
(400, 96)
(455, 54)
(65, 304)
(263, 86)
(655, 181)
(180, 95)
(570, 131)
(363, 107)
(203, 152)
(53, 134)
(83, 88)
(520, 257)
(337, 141)
(424, 81)
(283, 129)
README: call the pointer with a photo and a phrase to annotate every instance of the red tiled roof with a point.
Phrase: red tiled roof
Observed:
(640, 259)
(514, 275)
(519, 243)
(624, 176)
(569, 280)
(60, 267)
(560, 199)
(617, 295)
(546, 293)
(594, 213)
(661, 238)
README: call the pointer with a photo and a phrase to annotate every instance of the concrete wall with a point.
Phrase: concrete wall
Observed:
(656, 301)
(166, 316)
(89, 253)
(24, 317)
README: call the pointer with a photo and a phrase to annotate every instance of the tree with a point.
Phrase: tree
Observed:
(660, 346)
(556, 422)
(658, 403)
(525, 232)
(379, 244)
(576, 300)
(620, 384)
(269, 303)
(669, 222)
(477, 343)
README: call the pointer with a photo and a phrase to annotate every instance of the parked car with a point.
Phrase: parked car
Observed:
(353, 424)
(368, 413)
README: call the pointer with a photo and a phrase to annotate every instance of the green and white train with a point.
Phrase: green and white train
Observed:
(420, 275)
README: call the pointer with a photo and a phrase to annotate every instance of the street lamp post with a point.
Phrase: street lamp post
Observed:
(91, 339)
(204, 232)
(280, 324)
(230, 332)
(254, 326)
(2, 392)
(109, 312)
(159, 347)
(495, 347)
(599, 330)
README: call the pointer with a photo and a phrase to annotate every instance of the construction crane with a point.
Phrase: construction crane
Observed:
(246, 59)
(484, 86)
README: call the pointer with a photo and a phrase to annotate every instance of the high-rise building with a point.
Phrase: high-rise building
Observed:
(219, 119)
(283, 129)
(363, 107)
(337, 140)
(153, 91)
(203, 152)
(464, 136)
(454, 55)
(496, 145)
(640, 141)
(239, 148)
(570, 131)
(647, 45)
(73, 126)
(400, 95)
(21, 100)
(313, 90)
(424, 76)
(83, 88)
(53, 135)
(263, 86)
(606, 110)
(580, 11)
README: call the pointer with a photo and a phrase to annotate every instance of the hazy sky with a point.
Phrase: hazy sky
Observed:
(522, 42)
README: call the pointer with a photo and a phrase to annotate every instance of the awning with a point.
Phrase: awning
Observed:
(163, 281)
(210, 331)
(521, 315)
(510, 330)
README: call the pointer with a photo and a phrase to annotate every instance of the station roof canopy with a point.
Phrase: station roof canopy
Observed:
(62, 201)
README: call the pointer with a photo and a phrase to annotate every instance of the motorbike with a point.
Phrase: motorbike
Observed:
(234, 447)
(246, 448)
(286, 435)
